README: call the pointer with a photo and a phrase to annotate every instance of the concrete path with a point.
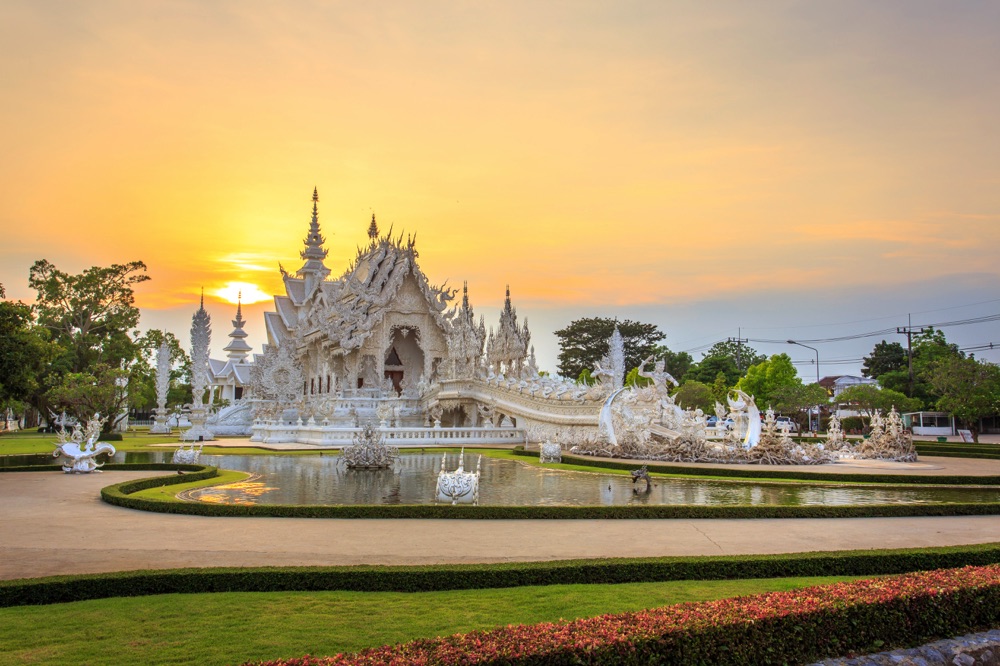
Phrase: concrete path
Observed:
(52, 523)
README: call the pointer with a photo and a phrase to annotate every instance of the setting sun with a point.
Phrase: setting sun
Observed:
(244, 291)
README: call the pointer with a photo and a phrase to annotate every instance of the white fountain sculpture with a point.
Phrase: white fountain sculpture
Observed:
(187, 455)
(162, 386)
(550, 452)
(458, 486)
(80, 447)
(745, 412)
(369, 451)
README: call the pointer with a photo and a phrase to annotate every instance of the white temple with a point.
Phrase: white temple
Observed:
(381, 344)
(381, 341)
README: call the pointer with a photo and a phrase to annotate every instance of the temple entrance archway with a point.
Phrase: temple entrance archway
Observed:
(404, 359)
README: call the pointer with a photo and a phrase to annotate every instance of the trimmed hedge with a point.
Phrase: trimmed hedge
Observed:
(120, 494)
(765, 473)
(798, 626)
(63, 589)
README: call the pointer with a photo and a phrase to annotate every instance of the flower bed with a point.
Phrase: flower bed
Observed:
(782, 627)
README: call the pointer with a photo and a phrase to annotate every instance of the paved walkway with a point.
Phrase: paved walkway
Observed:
(54, 523)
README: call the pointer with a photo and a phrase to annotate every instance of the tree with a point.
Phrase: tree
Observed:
(763, 380)
(797, 399)
(720, 388)
(695, 395)
(728, 357)
(25, 354)
(969, 389)
(885, 357)
(585, 341)
(928, 348)
(869, 398)
(91, 317)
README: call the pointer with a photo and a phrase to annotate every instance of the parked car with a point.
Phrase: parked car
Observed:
(786, 422)
(713, 421)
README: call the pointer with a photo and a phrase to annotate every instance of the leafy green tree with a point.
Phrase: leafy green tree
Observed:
(720, 388)
(885, 357)
(928, 348)
(709, 368)
(585, 341)
(728, 357)
(586, 378)
(633, 379)
(968, 388)
(25, 354)
(867, 398)
(763, 380)
(797, 399)
(91, 317)
(695, 395)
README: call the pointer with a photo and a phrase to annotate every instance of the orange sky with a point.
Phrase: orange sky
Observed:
(602, 158)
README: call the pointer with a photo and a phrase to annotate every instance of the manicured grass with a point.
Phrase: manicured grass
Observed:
(229, 628)
(169, 493)
(24, 442)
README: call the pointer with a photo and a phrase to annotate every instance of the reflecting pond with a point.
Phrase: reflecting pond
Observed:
(318, 479)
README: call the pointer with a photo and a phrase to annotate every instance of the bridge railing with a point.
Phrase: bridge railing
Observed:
(275, 432)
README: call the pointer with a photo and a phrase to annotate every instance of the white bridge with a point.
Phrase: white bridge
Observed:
(275, 432)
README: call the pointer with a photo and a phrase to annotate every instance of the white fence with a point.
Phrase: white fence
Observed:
(274, 432)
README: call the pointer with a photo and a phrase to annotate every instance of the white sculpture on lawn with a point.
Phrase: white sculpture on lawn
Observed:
(187, 454)
(162, 386)
(550, 452)
(201, 335)
(82, 448)
(458, 486)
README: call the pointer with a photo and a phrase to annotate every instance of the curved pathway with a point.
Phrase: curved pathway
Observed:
(56, 524)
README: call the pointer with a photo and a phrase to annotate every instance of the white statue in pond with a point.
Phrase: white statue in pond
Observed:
(458, 486)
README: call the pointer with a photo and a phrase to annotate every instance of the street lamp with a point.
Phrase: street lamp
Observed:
(793, 342)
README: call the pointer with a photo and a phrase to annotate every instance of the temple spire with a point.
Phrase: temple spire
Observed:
(373, 229)
(314, 270)
(238, 349)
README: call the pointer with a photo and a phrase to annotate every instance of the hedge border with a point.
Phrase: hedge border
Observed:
(798, 626)
(743, 472)
(120, 495)
(64, 589)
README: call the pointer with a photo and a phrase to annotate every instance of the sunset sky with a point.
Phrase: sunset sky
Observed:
(783, 169)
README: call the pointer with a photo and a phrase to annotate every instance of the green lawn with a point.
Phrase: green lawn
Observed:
(229, 628)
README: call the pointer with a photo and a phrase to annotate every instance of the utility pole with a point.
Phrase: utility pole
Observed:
(739, 347)
(908, 331)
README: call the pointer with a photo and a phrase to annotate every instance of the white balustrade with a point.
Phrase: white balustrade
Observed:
(275, 432)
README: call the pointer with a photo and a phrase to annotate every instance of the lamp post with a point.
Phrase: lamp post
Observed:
(793, 342)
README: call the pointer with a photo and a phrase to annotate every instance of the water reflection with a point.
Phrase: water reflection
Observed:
(318, 479)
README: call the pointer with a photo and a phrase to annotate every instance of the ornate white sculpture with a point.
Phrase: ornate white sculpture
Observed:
(613, 363)
(659, 376)
(80, 447)
(162, 386)
(369, 451)
(458, 486)
(187, 455)
(747, 417)
(550, 452)
(201, 335)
